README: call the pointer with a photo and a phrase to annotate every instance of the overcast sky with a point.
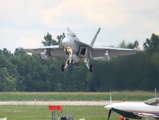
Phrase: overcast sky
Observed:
(23, 23)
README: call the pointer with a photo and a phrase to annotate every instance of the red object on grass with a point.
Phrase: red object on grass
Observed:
(55, 107)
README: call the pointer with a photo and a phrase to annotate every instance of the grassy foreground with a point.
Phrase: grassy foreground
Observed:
(51, 96)
(34, 112)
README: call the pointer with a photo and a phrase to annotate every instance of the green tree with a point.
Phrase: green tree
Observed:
(129, 45)
(75, 78)
(123, 44)
(19, 52)
(48, 41)
(23, 72)
(8, 83)
(19, 65)
(7, 79)
(152, 44)
(133, 45)
(60, 37)
(6, 53)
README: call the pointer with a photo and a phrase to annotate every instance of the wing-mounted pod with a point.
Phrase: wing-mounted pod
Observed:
(45, 55)
(106, 55)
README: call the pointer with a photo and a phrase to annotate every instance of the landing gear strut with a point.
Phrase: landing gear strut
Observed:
(90, 67)
(63, 67)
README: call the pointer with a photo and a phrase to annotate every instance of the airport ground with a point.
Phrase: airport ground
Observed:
(29, 110)
(24, 106)
(76, 103)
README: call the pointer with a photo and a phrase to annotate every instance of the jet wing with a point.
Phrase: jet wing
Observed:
(147, 115)
(113, 52)
(55, 50)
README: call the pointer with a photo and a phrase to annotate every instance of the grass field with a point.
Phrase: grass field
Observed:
(34, 112)
(51, 96)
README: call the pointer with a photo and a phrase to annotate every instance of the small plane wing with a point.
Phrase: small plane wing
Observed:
(57, 51)
(147, 115)
(113, 52)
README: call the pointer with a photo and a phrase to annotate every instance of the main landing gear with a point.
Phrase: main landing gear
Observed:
(69, 61)
(90, 67)
(63, 68)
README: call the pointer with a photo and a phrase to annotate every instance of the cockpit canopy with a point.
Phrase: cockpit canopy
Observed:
(71, 34)
(152, 101)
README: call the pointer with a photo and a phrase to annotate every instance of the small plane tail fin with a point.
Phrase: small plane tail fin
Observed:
(94, 39)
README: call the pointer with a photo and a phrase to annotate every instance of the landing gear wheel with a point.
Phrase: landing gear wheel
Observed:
(91, 68)
(62, 67)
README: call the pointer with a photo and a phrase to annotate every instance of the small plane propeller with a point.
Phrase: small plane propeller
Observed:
(110, 110)
(109, 113)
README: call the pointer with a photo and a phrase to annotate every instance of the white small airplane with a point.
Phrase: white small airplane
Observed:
(76, 51)
(137, 110)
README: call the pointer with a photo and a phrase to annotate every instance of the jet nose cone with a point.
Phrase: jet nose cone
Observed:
(108, 107)
(65, 42)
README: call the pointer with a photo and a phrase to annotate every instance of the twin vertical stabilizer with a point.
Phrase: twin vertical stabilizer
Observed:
(94, 39)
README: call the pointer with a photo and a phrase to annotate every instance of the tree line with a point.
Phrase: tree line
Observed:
(22, 72)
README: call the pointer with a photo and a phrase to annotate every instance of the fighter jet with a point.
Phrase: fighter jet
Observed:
(76, 51)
